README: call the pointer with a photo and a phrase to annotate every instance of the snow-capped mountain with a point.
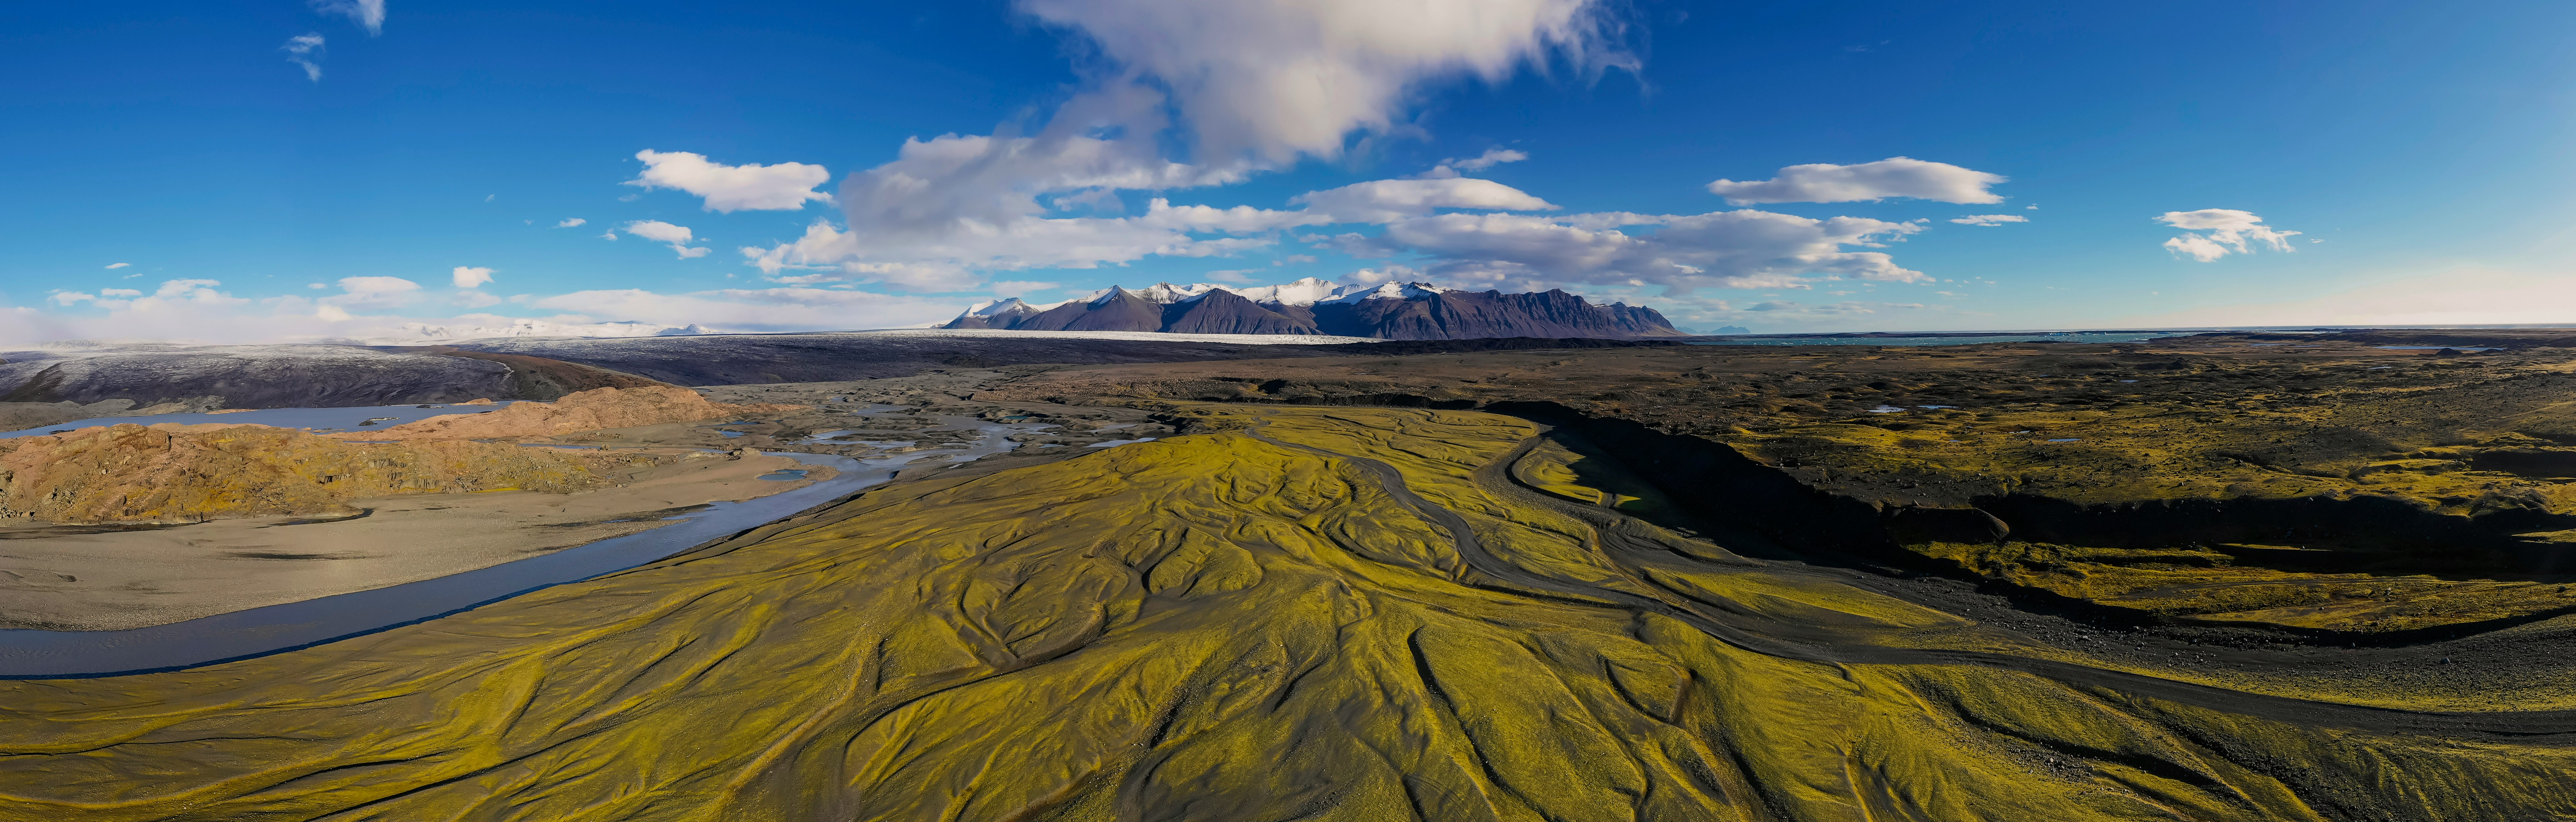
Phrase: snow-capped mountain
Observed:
(1396, 311)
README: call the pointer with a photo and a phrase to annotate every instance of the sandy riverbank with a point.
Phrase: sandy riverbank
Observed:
(94, 578)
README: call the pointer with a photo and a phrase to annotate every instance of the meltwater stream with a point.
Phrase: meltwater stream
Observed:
(32, 654)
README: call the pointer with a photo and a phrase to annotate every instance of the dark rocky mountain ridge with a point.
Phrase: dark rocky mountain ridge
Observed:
(1393, 312)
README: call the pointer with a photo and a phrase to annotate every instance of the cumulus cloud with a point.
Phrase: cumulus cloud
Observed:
(305, 50)
(677, 237)
(369, 14)
(749, 187)
(2218, 232)
(1892, 177)
(115, 266)
(118, 293)
(1990, 220)
(570, 222)
(1679, 253)
(471, 277)
(1212, 82)
(1355, 62)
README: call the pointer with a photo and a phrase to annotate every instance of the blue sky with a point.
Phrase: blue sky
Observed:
(2416, 149)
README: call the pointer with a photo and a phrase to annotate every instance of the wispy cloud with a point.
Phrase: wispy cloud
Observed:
(570, 222)
(1990, 220)
(368, 14)
(306, 50)
(115, 266)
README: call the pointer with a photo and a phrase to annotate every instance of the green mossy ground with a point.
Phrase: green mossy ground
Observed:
(2218, 418)
(1260, 623)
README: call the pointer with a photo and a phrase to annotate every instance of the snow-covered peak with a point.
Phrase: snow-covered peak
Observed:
(1167, 293)
(1307, 291)
(1389, 291)
(995, 308)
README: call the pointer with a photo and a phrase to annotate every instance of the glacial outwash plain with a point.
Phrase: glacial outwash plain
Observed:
(2229, 576)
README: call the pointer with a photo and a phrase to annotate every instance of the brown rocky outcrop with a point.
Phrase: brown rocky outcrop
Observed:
(583, 411)
(188, 473)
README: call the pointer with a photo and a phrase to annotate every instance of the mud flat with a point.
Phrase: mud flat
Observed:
(657, 521)
(108, 578)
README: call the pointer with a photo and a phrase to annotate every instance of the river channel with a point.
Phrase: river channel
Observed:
(34, 654)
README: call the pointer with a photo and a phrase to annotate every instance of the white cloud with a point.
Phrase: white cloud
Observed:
(135, 313)
(1727, 249)
(187, 289)
(194, 310)
(367, 13)
(750, 187)
(316, 286)
(677, 236)
(1892, 177)
(1990, 220)
(1269, 80)
(1379, 201)
(2221, 231)
(471, 277)
(570, 222)
(2196, 247)
(115, 266)
(1254, 85)
(306, 50)
(609, 235)
(1491, 158)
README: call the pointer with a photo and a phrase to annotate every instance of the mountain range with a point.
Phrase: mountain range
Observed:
(1393, 311)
